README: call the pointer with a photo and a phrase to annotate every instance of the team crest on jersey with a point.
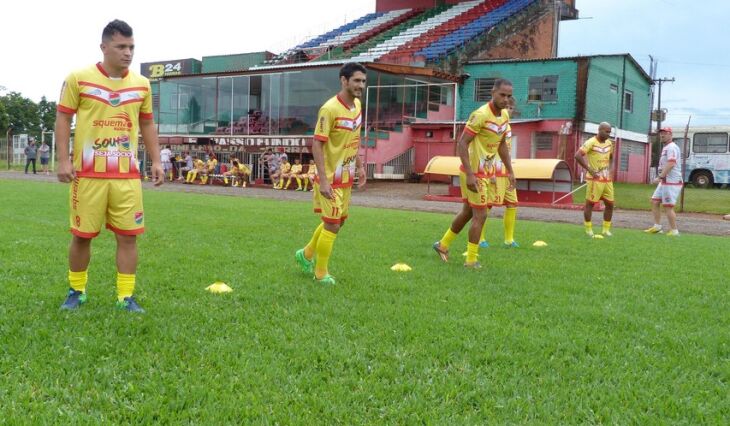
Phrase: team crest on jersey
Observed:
(114, 98)
(138, 218)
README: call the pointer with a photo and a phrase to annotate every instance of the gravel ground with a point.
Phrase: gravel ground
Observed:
(409, 196)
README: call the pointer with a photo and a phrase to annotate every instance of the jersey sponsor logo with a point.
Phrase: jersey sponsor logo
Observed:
(321, 124)
(104, 143)
(119, 122)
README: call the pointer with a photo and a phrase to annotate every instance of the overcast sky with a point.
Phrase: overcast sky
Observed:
(42, 41)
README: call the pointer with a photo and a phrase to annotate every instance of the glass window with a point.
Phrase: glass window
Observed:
(544, 141)
(629, 101)
(483, 89)
(627, 149)
(543, 88)
(709, 143)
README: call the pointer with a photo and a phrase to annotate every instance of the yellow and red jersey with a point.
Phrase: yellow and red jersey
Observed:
(338, 126)
(598, 155)
(498, 167)
(108, 111)
(489, 127)
(295, 169)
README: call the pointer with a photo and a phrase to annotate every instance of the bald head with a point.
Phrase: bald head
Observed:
(604, 131)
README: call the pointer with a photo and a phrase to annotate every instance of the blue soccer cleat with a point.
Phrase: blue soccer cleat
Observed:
(483, 244)
(74, 299)
(130, 305)
(513, 244)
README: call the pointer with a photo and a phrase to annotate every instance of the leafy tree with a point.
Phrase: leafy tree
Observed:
(22, 114)
(47, 114)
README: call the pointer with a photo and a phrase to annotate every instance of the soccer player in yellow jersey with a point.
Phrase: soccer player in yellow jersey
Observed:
(112, 104)
(310, 175)
(596, 156)
(483, 138)
(335, 150)
(499, 195)
(198, 168)
(284, 169)
(294, 171)
(210, 166)
(244, 173)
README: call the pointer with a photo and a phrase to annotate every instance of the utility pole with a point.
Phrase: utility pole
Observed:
(659, 99)
(659, 113)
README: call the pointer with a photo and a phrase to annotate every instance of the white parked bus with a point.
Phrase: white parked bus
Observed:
(707, 156)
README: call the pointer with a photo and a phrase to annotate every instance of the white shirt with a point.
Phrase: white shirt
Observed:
(165, 155)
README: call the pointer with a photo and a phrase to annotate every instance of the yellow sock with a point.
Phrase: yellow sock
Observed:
(446, 240)
(306, 184)
(288, 182)
(225, 180)
(299, 183)
(510, 217)
(483, 235)
(204, 179)
(190, 176)
(324, 250)
(77, 280)
(312, 244)
(606, 225)
(472, 251)
(589, 226)
(125, 285)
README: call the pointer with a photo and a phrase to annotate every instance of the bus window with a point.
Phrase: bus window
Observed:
(680, 144)
(710, 143)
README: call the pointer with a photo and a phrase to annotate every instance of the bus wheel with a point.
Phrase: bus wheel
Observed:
(702, 180)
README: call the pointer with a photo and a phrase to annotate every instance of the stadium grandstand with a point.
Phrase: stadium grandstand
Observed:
(429, 63)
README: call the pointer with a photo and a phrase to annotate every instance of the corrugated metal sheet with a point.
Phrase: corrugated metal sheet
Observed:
(239, 62)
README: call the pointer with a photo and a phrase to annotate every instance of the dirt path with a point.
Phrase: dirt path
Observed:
(409, 196)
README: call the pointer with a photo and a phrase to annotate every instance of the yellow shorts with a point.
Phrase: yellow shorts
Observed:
(477, 200)
(599, 190)
(332, 211)
(116, 202)
(498, 195)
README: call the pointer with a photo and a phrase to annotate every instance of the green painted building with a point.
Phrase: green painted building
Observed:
(561, 101)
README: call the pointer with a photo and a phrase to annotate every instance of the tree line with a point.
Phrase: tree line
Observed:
(21, 115)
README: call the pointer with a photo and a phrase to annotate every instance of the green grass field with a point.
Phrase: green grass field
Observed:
(628, 330)
(696, 200)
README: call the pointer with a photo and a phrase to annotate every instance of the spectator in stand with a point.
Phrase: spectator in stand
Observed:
(189, 164)
(198, 169)
(30, 154)
(294, 172)
(266, 160)
(284, 169)
(45, 153)
(166, 158)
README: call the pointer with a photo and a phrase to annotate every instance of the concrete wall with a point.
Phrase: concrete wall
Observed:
(535, 41)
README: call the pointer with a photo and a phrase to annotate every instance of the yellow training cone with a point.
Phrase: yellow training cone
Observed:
(598, 237)
(400, 267)
(219, 287)
(539, 243)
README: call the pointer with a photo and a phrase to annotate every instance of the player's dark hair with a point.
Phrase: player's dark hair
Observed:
(116, 27)
(350, 68)
(501, 82)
